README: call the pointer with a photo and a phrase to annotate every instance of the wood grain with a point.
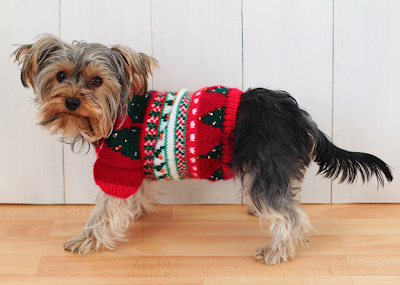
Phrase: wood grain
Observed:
(373, 255)
(301, 279)
(195, 245)
(376, 280)
(103, 281)
(19, 265)
(353, 211)
(357, 227)
(43, 212)
(26, 228)
(182, 266)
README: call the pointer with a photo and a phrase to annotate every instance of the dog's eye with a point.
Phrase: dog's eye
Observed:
(96, 81)
(61, 76)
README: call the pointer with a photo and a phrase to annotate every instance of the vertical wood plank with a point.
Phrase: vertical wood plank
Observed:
(287, 45)
(31, 169)
(198, 43)
(366, 65)
(107, 22)
(366, 90)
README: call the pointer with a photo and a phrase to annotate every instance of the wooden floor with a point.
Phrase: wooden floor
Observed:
(354, 244)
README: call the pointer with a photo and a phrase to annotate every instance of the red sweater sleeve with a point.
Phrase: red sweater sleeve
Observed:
(122, 158)
(117, 181)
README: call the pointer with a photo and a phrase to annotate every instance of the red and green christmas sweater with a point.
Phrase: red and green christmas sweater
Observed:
(169, 135)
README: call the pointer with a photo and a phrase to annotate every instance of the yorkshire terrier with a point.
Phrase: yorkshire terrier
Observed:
(88, 92)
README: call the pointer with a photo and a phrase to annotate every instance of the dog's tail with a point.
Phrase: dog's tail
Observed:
(334, 162)
(275, 140)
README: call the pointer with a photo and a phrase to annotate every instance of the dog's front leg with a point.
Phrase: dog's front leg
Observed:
(106, 225)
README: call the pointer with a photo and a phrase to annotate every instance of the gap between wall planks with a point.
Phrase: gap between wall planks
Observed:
(282, 48)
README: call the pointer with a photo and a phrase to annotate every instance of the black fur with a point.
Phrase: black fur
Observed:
(334, 161)
(274, 140)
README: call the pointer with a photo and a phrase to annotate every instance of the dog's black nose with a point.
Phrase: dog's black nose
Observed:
(72, 103)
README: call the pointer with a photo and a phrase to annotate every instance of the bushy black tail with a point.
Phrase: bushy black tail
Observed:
(275, 140)
(334, 162)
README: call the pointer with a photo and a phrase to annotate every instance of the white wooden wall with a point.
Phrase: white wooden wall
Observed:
(339, 58)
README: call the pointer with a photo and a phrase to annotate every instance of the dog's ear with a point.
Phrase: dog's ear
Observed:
(138, 67)
(33, 57)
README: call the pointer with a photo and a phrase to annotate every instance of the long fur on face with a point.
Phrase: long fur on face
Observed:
(121, 70)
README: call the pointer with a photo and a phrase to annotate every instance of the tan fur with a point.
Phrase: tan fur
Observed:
(137, 72)
(34, 56)
(106, 225)
(120, 68)
(289, 227)
(143, 202)
(110, 218)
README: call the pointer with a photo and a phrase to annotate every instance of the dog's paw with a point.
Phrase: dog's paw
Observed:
(82, 245)
(274, 255)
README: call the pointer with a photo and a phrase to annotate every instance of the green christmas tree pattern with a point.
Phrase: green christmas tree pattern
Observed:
(217, 175)
(170, 102)
(125, 141)
(159, 167)
(157, 152)
(220, 90)
(215, 117)
(137, 107)
(214, 153)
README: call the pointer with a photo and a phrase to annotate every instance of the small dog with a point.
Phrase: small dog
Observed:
(88, 92)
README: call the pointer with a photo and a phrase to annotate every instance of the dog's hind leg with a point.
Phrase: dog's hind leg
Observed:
(289, 226)
(272, 145)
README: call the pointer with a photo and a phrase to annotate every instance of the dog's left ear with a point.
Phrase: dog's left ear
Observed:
(138, 66)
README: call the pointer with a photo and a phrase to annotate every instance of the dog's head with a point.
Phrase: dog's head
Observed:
(82, 88)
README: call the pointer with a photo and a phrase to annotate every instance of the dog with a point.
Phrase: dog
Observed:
(90, 93)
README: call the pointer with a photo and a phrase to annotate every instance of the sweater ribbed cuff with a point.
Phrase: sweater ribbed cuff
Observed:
(120, 183)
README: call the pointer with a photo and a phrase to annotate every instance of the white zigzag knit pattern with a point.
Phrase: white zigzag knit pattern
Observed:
(170, 137)
(159, 161)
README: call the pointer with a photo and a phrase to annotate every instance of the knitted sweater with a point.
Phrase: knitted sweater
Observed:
(169, 135)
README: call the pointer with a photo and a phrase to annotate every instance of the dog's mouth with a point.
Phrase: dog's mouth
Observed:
(90, 133)
(71, 126)
(86, 123)
(89, 122)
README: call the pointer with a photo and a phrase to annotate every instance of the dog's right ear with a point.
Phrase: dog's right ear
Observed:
(33, 57)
